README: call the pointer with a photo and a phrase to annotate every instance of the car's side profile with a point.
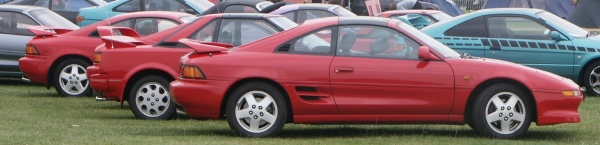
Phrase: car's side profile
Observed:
(131, 70)
(14, 21)
(329, 71)
(91, 15)
(531, 37)
(67, 9)
(59, 60)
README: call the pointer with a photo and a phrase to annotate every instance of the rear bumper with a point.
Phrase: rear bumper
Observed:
(555, 108)
(34, 68)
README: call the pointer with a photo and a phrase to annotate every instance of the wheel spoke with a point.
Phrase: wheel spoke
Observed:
(512, 101)
(79, 87)
(518, 117)
(595, 84)
(249, 98)
(493, 117)
(269, 118)
(244, 113)
(497, 102)
(266, 101)
(595, 74)
(82, 77)
(74, 69)
(505, 125)
(64, 75)
(254, 124)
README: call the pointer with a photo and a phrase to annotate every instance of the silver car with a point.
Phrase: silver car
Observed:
(14, 21)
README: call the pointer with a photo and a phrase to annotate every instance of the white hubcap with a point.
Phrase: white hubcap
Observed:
(73, 79)
(152, 99)
(595, 80)
(256, 111)
(505, 113)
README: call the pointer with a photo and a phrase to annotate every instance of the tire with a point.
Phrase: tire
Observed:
(591, 79)
(269, 114)
(149, 99)
(70, 78)
(494, 114)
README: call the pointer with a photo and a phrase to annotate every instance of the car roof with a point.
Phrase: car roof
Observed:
(153, 14)
(317, 6)
(411, 12)
(245, 15)
(507, 11)
(18, 8)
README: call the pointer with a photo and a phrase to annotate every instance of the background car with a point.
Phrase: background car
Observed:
(61, 59)
(91, 15)
(302, 12)
(140, 73)
(14, 21)
(325, 72)
(66, 8)
(531, 37)
(239, 6)
(433, 16)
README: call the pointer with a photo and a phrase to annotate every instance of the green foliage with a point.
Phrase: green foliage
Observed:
(31, 114)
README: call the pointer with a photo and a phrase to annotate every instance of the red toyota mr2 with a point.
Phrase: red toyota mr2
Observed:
(130, 69)
(324, 72)
(58, 57)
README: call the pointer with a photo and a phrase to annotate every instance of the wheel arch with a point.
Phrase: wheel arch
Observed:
(257, 79)
(50, 72)
(139, 75)
(474, 94)
(580, 79)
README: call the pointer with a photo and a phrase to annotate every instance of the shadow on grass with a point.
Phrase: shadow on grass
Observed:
(349, 131)
(16, 82)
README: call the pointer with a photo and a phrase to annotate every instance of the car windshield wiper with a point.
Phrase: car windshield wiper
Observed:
(590, 34)
(467, 55)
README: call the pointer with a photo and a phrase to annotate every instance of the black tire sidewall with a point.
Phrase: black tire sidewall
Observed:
(256, 86)
(168, 114)
(479, 114)
(586, 79)
(56, 77)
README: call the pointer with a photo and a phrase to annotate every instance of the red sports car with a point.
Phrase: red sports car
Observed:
(140, 73)
(323, 72)
(58, 58)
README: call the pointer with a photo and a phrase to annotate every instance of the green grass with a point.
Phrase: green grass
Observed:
(31, 114)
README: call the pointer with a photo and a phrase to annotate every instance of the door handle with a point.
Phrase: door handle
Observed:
(495, 48)
(344, 69)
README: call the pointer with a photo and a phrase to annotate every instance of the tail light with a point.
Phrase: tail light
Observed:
(191, 72)
(31, 50)
(97, 57)
(79, 19)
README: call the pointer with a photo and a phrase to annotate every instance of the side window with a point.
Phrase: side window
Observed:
(122, 23)
(517, 28)
(290, 15)
(70, 5)
(239, 32)
(15, 23)
(387, 43)
(165, 5)
(471, 28)
(131, 6)
(240, 9)
(206, 33)
(41, 3)
(318, 42)
(304, 15)
(147, 26)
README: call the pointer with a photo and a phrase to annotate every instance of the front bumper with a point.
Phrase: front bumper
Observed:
(555, 108)
(199, 98)
(34, 69)
(101, 84)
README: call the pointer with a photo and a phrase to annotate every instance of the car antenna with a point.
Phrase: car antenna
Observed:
(112, 45)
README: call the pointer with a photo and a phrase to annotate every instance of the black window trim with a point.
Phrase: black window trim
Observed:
(541, 22)
(333, 43)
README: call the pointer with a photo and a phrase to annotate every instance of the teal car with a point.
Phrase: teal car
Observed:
(92, 15)
(531, 37)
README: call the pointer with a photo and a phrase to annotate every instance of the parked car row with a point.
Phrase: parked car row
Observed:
(301, 64)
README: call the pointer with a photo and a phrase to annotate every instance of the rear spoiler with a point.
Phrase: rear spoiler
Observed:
(127, 38)
(42, 31)
(205, 47)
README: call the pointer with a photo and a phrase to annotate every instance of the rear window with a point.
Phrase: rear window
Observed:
(49, 18)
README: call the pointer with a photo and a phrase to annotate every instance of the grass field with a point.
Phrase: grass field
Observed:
(31, 114)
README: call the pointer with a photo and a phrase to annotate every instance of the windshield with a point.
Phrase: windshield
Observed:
(565, 25)
(439, 47)
(189, 18)
(343, 12)
(283, 22)
(203, 5)
(49, 18)
(441, 16)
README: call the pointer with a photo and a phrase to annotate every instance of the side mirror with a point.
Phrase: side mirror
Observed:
(424, 54)
(557, 36)
(190, 11)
